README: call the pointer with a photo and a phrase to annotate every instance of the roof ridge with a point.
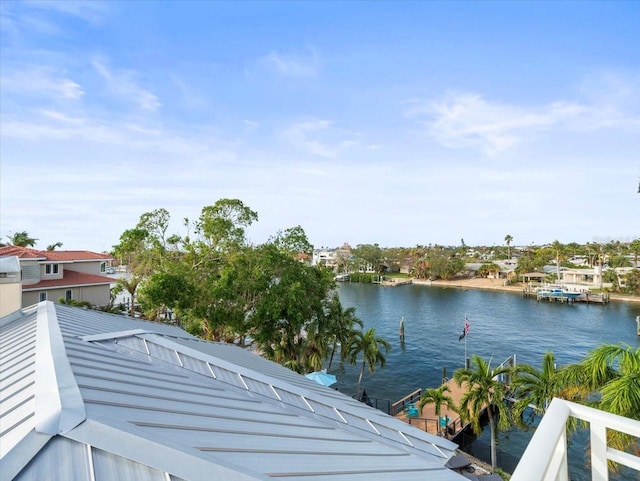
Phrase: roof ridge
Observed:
(58, 403)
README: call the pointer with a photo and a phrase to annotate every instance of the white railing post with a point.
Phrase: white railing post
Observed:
(599, 469)
(545, 459)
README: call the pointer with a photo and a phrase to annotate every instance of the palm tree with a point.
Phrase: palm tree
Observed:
(370, 346)
(22, 239)
(484, 391)
(536, 387)
(608, 378)
(635, 250)
(342, 323)
(508, 238)
(53, 247)
(612, 372)
(437, 397)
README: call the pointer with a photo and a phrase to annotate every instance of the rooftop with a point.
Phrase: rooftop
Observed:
(86, 394)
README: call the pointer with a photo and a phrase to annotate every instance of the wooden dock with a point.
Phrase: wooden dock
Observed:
(394, 282)
(588, 297)
(427, 420)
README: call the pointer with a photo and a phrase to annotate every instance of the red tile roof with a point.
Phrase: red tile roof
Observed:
(70, 279)
(28, 253)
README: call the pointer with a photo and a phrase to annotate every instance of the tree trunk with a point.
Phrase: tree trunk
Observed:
(493, 439)
(359, 381)
(333, 351)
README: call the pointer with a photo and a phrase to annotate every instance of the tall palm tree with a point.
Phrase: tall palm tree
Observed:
(508, 239)
(342, 327)
(53, 247)
(22, 239)
(536, 387)
(484, 391)
(370, 346)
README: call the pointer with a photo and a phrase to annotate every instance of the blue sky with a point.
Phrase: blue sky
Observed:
(397, 123)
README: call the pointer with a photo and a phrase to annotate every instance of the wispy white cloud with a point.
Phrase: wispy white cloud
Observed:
(91, 11)
(60, 116)
(41, 82)
(316, 137)
(291, 66)
(470, 120)
(123, 84)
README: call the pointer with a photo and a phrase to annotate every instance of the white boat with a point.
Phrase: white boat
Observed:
(557, 291)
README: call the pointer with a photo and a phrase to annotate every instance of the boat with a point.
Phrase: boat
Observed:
(555, 291)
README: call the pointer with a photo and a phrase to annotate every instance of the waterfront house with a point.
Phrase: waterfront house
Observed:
(68, 275)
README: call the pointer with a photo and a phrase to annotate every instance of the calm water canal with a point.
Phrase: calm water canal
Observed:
(501, 324)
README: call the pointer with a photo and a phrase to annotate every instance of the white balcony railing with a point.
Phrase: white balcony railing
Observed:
(545, 458)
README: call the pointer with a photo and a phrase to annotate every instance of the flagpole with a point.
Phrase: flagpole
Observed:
(465, 340)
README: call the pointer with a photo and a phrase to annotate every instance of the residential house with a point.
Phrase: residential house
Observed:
(54, 275)
(332, 258)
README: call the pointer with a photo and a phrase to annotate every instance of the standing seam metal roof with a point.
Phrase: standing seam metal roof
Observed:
(140, 400)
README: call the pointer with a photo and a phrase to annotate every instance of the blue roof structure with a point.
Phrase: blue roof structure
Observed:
(90, 395)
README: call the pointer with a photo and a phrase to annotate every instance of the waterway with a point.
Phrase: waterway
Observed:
(501, 324)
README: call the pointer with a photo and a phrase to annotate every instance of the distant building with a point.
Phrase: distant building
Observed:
(332, 258)
(52, 275)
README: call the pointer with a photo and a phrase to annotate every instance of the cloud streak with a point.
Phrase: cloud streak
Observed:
(316, 137)
(291, 66)
(39, 81)
(122, 83)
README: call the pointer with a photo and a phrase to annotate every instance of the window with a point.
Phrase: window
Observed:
(51, 268)
(103, 267)
(68, 295)
(43, 296)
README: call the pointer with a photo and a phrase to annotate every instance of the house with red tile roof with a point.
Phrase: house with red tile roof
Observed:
(68, 275)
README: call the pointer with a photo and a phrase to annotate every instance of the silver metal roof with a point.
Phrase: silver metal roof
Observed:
(89, 395)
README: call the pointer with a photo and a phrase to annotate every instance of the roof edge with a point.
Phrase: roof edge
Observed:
(22, 453)
(58, 403)
(180, 463)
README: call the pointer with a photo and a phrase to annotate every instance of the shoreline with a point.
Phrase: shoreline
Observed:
(498, 285)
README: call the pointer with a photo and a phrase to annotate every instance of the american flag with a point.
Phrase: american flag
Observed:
(465, 331)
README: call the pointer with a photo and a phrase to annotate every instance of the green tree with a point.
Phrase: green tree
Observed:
(634, 246)
(22, 239)
(632, 282)
(536, 387)
(437, 397)
(370, 346)
(293, 241)
(53, 247)
(131, 251)
(608, 378)
(444, 265)
(343, 325)
(619, 261)
(489, 268)
(368, 257)
(289, 322)
(508, 239)
(484, 390)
